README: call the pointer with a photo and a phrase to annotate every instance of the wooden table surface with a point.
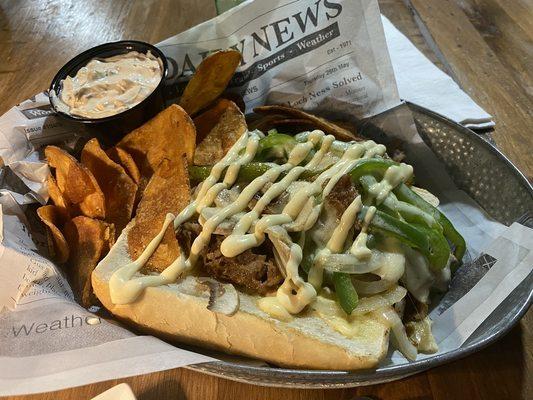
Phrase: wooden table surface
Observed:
(486, 45)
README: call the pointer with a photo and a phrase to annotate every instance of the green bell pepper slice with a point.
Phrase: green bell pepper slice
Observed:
(429, 242)
(275, 146)
(342, 283)
(396, 208)
(377, 166)
(404, 193)
(346, 292)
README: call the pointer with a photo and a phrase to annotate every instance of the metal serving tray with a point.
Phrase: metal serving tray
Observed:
(478, 168)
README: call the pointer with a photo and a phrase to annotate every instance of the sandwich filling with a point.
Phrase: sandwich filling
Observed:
(336, 222)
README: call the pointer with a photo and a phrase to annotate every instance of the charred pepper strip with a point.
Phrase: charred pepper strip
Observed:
(404, 193)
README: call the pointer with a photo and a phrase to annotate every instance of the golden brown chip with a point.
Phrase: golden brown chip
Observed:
(236, 98)
(318, 122)
(124, 159)
(54, 218)
(207, 120)
(168, 135)
(167, 192)
(89, 240)
(229, 128)
(56, 196)
(118, 188)
(76, 183)
(210, 80)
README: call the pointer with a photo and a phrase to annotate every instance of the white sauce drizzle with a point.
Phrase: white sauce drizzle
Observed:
(392, 178)
(304, 207)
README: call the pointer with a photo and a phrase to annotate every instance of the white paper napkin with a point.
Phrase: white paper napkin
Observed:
(422, 83)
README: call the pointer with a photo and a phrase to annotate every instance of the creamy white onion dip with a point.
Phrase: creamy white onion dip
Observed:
(108, 86)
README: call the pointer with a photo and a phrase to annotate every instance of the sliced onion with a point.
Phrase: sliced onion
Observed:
(388, 298)
(366, 288)
(299, 223)
(392, 271)
(282, 247)
(417, 278)
(350, 264)
(399, 336)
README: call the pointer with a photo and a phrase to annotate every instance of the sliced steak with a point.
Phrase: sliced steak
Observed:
(342, 195)
(253, 270)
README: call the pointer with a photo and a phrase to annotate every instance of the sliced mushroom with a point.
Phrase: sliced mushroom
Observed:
(223, 297)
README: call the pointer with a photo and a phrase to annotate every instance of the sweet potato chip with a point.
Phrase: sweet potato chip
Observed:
(229, 128)
(76, 183)
(168, 135)
(210, 80)
(125, 160)
(89, 240)
(318, 122)
(56, 196)
(54, 218)
(167, 192)
(118, 188)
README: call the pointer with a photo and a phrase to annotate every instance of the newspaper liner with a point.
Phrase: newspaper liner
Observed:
(48, 342)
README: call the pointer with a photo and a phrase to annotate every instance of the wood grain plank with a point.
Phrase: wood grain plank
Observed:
(507, 28)
(38, 37)
(499, 372)
(402, 18)
(483, 76)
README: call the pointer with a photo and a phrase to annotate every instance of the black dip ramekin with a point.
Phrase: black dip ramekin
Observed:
(113, 128)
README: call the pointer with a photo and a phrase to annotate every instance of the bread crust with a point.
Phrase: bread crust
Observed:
(176, 313)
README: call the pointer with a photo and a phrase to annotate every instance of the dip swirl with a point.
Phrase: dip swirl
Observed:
(108, 86)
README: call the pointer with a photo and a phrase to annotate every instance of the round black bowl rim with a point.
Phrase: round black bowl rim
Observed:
(93, 53)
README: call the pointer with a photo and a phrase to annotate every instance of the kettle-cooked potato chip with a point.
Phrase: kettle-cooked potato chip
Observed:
(167, 192)
(207, 120)
(56, 196)
(229, 128)
(118, 188)
(125, 160)
(236, 98)
(76, 183)
(89, 240)
(210, 80)
(54, 218)
(168, 135)
(318, 122)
